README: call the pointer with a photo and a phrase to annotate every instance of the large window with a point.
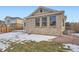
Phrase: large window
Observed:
(52, 20)
(44, 21)
(37, 22)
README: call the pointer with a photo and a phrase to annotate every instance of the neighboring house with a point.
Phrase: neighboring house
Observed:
(11, 20)
(2, 22)
(14, 22)
(45, 21)
(2, 26)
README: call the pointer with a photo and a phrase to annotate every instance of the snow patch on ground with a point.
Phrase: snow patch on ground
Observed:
(73, 47)
(34, 37)
(14, 36)
(25, 36)
(77, 34)
(3, 46)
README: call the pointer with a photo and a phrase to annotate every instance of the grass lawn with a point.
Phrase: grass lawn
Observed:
(32, 46)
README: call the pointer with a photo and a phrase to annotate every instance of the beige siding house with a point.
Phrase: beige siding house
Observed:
(45, 21)
(14, 22)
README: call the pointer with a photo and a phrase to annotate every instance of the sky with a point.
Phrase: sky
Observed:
(72, 12)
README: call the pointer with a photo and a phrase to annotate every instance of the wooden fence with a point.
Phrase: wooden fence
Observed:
(4, 28)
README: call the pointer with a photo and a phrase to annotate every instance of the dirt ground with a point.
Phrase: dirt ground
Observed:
(67, 39)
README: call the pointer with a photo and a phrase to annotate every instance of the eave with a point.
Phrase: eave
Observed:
(56, 13)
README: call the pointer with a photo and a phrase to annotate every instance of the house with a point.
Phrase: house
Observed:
(45, 21)
(2, 22)
(2, 26)
(14, 22)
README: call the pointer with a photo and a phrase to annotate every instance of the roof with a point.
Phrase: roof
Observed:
(52, 11)
(45, 14)
(13, 18)
(45, 8)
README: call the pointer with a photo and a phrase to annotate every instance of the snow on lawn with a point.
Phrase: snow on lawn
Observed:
(3, 46)
(13, 36)
(77, 34)
(24, 36)
(73, 47)
(34, 37)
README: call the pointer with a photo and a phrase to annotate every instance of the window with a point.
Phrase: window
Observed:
(52, 20)
(41, 10)
(8, 21)
(44, 21)
(24, 23)
(37, 22)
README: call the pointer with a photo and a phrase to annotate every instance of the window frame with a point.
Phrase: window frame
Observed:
(44, 21)
(37, 22)
(41, 10)
(53, 21)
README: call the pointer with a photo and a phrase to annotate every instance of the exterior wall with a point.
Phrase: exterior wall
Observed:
(60, 23)
(19, 25)
(9, 21)
(13, 20)
(19, 21)
(48, 30)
